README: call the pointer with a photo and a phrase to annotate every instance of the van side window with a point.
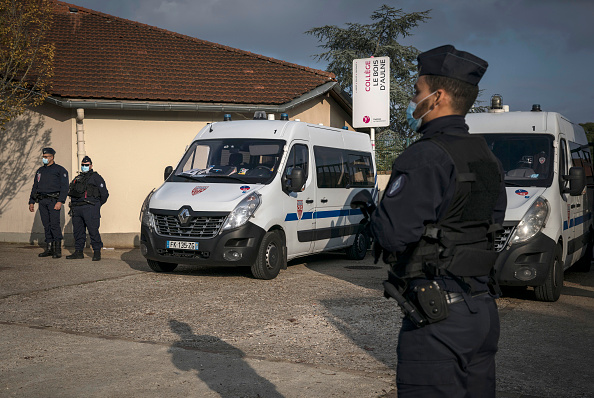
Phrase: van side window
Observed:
(298, 157)
(580, 157)
(330, 168)
(563, 163)
(361, 170)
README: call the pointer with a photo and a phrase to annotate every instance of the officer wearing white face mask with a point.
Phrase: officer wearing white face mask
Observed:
(435, 226)
(88, 192)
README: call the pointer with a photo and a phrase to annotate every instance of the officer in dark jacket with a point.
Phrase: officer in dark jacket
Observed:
(88, 193)
(435, 226)
(50, 188)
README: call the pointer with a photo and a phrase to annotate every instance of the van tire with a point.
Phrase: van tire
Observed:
(358, 250)
(160, 266)
(271, 257)
(584, 263)
(551, 289)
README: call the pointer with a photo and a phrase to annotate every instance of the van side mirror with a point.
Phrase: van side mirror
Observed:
(168, 172)
(297, 180)
(577, 181)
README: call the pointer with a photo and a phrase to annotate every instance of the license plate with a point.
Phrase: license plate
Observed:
(176, 244)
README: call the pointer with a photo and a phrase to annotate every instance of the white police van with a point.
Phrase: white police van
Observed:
(258, 193)
(549, 184)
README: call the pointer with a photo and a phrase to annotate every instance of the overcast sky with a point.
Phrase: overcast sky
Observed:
(539, 51)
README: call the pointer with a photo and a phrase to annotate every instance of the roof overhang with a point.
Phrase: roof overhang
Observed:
(333, 88)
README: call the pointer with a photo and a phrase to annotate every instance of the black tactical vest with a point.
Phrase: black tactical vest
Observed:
(462, 242)
(80, 187)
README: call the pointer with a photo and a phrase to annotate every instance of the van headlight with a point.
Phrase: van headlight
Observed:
(243, 211)
(146, 217)
(532, 222)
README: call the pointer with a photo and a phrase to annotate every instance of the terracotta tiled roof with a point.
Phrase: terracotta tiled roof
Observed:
(99, 56)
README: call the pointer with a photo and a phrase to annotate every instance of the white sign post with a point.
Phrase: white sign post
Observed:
(371, 94)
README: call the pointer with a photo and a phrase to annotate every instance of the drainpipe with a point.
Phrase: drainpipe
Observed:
(80, 136)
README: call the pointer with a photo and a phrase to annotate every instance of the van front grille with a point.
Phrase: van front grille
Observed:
(503, 237)
(198, 227)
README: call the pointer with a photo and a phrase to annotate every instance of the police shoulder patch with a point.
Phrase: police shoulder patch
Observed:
(396, 186)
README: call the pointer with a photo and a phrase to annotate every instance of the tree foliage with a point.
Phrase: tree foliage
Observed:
(26, 58)
(589, 127)
(377, 39)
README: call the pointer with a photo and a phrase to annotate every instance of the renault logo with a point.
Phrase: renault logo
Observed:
(183, 216)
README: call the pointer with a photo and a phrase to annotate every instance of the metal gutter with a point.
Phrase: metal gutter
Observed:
(198, 107)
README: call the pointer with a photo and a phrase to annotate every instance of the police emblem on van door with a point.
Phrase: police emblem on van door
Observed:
(198, 189)
(299, 209)
(183, 216)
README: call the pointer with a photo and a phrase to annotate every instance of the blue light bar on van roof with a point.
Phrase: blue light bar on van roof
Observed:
(227, 117)
(284, 116)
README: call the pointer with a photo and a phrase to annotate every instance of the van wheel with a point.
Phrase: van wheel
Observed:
(160, 266)
(271, 257)
(584, 263)
(359, 248)
(551, 289)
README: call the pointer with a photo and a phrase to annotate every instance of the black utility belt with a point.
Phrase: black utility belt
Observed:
(81, 203)
(54, 195)
(453, 297)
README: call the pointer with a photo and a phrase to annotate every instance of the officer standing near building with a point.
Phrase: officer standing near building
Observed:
(88, 193)
(435, 226)
(50, 187)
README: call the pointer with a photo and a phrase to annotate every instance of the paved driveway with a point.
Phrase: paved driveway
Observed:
(113, 328)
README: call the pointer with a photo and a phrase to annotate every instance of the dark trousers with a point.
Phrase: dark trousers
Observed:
(50, 219)
(452, 358)
(86, 217)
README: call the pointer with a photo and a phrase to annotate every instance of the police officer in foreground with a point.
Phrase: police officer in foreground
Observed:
(88, 193)
(50, 187)
(435, 227)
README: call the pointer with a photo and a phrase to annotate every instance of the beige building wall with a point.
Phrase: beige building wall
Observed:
(20, 157)
(130, 149)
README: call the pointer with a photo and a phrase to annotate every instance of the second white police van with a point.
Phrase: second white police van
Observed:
(549, 184)
(258, 193)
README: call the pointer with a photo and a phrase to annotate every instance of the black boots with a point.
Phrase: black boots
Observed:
(53, 249)
(49, 250)
(78, 254)
(57, 246)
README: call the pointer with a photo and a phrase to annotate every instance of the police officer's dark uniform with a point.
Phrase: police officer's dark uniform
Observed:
(50, 186)
(88, 193)
(435, 225)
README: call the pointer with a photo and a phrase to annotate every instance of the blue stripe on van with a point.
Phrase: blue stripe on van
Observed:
(574, 222)
(323, 214)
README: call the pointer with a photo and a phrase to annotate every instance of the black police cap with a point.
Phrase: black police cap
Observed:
(48, 150)
(449, 62)
(86, 159)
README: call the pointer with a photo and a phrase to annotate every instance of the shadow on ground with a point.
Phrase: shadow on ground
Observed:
(228, 377)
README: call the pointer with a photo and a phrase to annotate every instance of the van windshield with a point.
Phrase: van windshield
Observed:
(527, 159)
(233, 160)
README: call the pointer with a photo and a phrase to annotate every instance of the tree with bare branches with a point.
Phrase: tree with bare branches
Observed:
(26, 56)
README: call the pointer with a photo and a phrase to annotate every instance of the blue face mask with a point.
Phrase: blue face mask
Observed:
(84, 169)
(45, 160)
(412, 106)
